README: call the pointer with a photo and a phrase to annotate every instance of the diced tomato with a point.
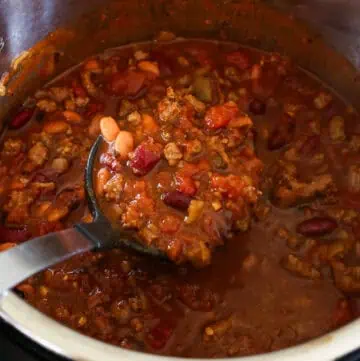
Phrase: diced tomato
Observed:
(231, 185)
(220, 116)
(145, 157)
(127, 83)
(160, 335)
(239, 59)
(170, 224)
(185, 185)
(21, 118)
(14, 235)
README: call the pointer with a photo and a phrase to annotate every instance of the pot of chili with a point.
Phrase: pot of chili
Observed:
(231, 144)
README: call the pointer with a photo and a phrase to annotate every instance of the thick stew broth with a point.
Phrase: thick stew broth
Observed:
(251, 273)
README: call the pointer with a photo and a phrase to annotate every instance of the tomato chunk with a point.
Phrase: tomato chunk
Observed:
(220, 116)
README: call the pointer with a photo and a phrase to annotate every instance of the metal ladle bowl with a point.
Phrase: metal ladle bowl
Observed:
(42, 252)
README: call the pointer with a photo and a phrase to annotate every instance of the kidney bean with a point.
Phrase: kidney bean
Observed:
(21, 118)
(317, 226)
(177, 199)
(257, 107)
(111, 162)
(14, 235)
(144, 160)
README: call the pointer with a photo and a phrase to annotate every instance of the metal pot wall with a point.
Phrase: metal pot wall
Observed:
(63, 32)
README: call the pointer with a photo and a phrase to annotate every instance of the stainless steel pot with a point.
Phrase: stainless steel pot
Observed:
(70, 30)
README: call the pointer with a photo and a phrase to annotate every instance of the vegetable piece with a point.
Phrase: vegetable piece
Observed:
(220, 116)
(194, 211)
(145, 157)
(203, 89)
(109, 128)
(177, 200)
(21, 118)
(316, 227)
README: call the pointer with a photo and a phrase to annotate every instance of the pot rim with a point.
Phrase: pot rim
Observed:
(71, 344)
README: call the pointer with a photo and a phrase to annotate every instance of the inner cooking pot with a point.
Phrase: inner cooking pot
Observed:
(64, 33)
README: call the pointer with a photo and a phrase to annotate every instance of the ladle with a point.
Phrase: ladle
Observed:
(24, 260)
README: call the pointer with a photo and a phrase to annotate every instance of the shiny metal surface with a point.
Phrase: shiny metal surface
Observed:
(116, 22)
(23, 261)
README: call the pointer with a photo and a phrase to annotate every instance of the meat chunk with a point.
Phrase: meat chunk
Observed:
(347, 278)
(113, 188)
(172, 153)
(13, 147)
(289, 190)
(170, 108)
(300, 268)
(38, 154)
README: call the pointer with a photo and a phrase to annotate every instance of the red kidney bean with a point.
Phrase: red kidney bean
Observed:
(21, 118)
(143, 160)
(317, 226)
(14, 235)
(111, 162)
(177, 200)
(257, 107)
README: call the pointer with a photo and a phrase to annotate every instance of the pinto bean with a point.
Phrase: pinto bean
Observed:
(55, 127)
(124, 144)
(149, 66)
(72, 117)
(102, 178)
(317, 226)
(61, 165)
(109, 128)
(57, 213)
